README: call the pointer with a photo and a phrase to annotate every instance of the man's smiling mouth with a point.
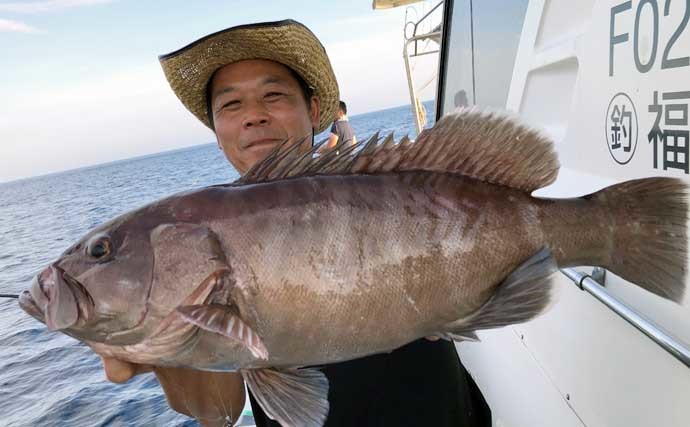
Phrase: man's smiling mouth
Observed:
(262, 143)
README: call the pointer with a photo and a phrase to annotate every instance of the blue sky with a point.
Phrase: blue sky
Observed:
(80, 82)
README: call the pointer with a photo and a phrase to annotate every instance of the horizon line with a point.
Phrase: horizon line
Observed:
(142, 156)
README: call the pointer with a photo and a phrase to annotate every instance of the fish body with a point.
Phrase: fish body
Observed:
(307, 262)
(325, 269)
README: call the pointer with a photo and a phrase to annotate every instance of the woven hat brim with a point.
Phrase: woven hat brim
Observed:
(288, 42)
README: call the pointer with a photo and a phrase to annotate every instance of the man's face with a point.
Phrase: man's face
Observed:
(257, 104)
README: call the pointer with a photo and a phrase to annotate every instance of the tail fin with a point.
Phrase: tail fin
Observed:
(650, 242)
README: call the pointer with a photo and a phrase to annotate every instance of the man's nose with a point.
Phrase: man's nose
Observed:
(256, 116)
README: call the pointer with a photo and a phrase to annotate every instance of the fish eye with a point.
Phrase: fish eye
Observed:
(99, 248)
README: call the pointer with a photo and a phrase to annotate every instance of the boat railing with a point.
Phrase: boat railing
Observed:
(418, 33)
(426, 29)
(673, 346)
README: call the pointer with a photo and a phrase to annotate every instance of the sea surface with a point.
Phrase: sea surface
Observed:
(50, 379)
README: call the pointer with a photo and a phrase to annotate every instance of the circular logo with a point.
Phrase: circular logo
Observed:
(621, 128)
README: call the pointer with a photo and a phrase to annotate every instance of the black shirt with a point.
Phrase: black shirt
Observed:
(422, 383)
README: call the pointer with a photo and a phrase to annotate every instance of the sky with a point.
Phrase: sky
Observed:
(80, 82)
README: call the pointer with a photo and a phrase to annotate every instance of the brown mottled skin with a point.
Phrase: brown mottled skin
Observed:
(326, 268)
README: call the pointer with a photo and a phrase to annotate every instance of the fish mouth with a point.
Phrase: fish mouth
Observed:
(57, 299)
(28, 304)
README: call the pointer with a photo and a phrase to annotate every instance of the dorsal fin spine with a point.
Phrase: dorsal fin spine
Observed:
(484, 146)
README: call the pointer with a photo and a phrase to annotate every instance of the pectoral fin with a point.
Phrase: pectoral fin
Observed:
(224, 321)
(293, 397)
(523, 295)
(470, 336)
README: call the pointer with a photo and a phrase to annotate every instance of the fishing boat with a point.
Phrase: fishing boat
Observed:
(608, 82)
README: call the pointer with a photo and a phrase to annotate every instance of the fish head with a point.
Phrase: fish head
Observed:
(120, 288)
(98, 288)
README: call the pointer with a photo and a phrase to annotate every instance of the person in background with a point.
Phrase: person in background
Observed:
(341, 131)
(256, 86)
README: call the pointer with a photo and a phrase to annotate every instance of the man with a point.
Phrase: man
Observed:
(256, 86)
(341, 131)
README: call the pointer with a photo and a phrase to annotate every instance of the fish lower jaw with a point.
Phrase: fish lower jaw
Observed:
(28, 304)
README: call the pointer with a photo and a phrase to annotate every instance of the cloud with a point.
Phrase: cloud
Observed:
(7, 26)
(47, 5)
(361, 65)
(122, 115)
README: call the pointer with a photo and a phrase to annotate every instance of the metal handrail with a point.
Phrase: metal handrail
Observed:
(647, 327)
(422, 37)
(434, 34)
(415, 37)
(420, 20)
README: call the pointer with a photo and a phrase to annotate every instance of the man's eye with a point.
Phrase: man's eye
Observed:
(274, 95)
(230, 104)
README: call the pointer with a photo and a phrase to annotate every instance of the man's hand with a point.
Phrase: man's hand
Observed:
(213, 398)
(119, 372)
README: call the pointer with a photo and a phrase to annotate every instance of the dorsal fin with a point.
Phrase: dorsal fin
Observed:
(486, 146)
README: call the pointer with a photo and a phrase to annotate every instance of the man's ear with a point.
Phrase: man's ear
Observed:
(315, 112)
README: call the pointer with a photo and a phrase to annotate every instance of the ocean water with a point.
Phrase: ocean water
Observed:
(50, 379)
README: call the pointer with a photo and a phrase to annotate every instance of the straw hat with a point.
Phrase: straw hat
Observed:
(288, 42)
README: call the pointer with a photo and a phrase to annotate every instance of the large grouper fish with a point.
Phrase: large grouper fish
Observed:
(312, 260)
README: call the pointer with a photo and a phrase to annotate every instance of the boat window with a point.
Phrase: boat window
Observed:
(480, 46)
